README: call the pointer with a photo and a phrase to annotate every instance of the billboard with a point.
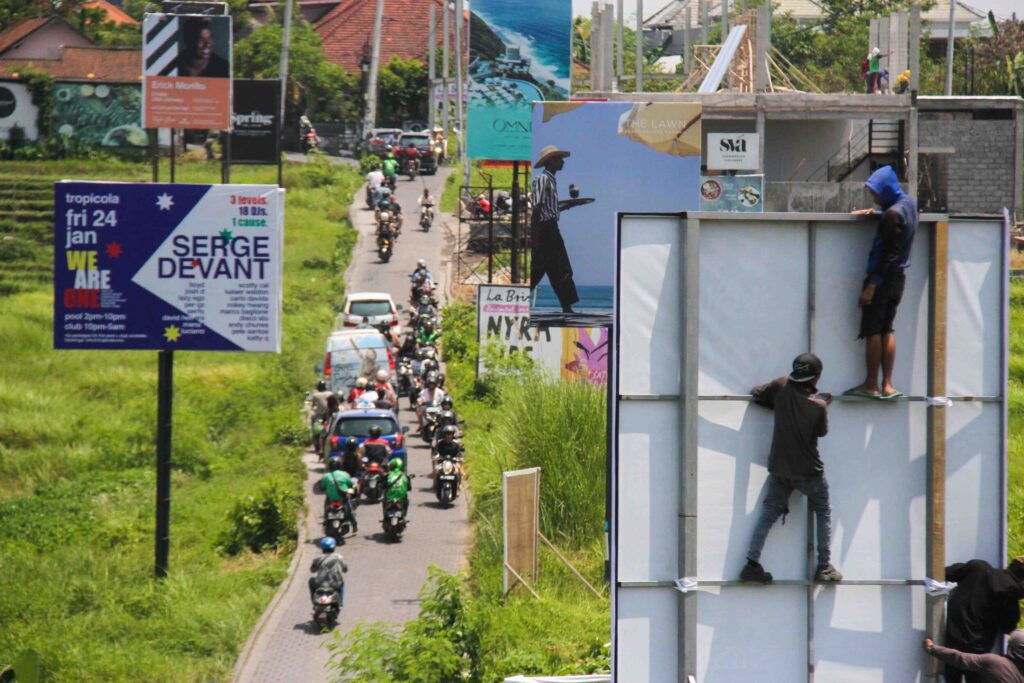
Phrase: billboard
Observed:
(160, 266)
(593, 160)
(518, 53)
(255, 130)
(186, 71)
(688, 437)
(99, 114)
(736, 193)
(568, 353)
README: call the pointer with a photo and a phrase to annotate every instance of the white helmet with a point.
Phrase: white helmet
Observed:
(421, 263)
(382, 376)
(384, 215)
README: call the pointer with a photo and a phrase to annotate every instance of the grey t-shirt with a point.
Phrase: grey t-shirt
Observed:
(800, 418)
(330, 570)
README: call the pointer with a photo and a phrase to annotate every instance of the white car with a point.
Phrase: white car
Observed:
(377, 307)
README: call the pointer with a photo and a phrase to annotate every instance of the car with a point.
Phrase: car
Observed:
(357, 423)
(378, 307)
(380, 140)
(351, 354)
(423, 144)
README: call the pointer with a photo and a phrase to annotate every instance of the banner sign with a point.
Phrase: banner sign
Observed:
(571, 354)
(160, 266)
(742, 193)
(518, 53)
(99, 114)
(593, 160)
(186, 71)
(173, 7)
(255, 129)
(733, 151)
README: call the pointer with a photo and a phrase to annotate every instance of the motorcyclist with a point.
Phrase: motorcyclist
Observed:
(375, 448)
(424, 308)
(374, 181)
(408, 347)
(411, 155)
(448, 406)
(328, 571)
(396, 487)
(318, 400)
(448, 447)
(503, 202)
(337, 484)
(426, 202)
(427, 335)
(351, 460)
(395, 209)
(430, 393)
(390, 167)
(358, 390)
(384, 228)
(383, 387)
(421, 269)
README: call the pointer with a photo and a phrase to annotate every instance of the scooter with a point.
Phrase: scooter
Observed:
(336, 522)
(372, 481)
(394, 520)
(446, 480)
(412, 167)
(427, 217)
(431, 411)
(325, 608)
(384, 248)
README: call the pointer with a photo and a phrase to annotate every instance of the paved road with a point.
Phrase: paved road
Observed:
(384, 578)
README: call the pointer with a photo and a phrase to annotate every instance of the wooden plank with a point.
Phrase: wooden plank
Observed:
(521, 511)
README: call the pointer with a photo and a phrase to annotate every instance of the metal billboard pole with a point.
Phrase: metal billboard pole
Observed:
(371, 84)
(431, 66)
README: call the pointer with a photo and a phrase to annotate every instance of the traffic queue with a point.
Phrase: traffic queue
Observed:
(371, 366)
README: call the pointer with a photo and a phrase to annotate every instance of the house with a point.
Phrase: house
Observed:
(83, 63)
(311, 10)
(347, 31)
(113, 13)
(39, 38)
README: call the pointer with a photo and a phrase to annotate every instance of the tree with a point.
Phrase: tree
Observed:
(402, 91)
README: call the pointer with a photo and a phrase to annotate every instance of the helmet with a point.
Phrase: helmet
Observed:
(428, 325)
(421, 263)
(382, 375)
(396, 464)
(447, 416)
(361, 383)
(384, 216)
(421, 353)
(431, 379)
(374, 431)
(449, 430)
(321, 386)
(424, 300)
(447, 403)
(351, 444)
(327, 544)
(334, 464)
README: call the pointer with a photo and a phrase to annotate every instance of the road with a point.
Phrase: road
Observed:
(384, 578)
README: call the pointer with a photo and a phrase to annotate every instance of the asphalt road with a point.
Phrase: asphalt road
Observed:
(384, 578)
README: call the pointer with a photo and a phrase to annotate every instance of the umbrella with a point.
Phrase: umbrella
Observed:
(672, 128)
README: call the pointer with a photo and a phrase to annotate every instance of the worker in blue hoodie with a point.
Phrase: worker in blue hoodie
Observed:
(883, 286)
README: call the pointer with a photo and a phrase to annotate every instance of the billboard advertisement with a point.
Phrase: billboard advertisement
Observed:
(186, 71)
(591, 161)
(737, 193)
(160, 266)
(570, 354)
(518, 53)
(255, 130)
(99, 114)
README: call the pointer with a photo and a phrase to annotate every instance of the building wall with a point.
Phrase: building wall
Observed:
(46, 43)
(981, 166)
(16, 109)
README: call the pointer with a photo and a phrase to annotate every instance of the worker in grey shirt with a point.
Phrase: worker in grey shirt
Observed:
(986, 668)
(801, 417)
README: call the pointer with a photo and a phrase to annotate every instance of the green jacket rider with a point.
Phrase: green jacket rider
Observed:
(397, 485)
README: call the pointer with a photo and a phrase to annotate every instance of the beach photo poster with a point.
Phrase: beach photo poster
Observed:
(591, 161)
(519, 53)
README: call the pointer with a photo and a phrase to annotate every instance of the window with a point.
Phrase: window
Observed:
(369, 308)
(360, 426)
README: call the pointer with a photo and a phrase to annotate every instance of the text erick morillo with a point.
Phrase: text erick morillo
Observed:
(216, 257)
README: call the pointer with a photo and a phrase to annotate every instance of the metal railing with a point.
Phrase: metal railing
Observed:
(878, 138)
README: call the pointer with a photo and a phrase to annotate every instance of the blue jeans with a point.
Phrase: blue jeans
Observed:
(776, 504)
(312, 591)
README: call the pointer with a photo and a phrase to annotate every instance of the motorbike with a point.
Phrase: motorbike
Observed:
(321, 451)
(426, 219)
(431, 411)
(370, 203)
(336, 522)
(311, 142)
(372, 481)
(325, 608)
(390, 181)
(412, 167)
(446, 480)
(405, 380)
(384, 248)
(394, 520)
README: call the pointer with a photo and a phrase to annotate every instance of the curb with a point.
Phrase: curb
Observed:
(247, 650)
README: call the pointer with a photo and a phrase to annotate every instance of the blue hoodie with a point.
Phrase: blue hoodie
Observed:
(890, 250)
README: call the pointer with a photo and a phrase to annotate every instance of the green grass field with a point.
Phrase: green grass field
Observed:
(77, 456)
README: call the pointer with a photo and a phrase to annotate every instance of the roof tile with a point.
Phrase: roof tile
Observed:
(111, 65)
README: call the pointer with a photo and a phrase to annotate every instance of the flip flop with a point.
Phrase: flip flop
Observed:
(890, 397)
(860, 393)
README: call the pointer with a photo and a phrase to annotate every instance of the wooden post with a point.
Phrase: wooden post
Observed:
(935, 501)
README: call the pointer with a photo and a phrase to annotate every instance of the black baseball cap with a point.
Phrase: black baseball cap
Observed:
(806, 367)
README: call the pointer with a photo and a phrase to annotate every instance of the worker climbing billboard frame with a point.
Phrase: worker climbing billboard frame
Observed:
(709, 305)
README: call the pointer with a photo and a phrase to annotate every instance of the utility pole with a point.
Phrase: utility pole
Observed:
(431, 67)
(949, 48)
(620, 53)
(639, 45)
(286, 38)
(725, 20)
(371, 84)
(445, 102)
(458, 86)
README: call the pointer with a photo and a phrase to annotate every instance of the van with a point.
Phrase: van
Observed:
(351, 354)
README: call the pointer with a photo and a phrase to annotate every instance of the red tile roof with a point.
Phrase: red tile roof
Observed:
(114, 13)
(20, 30)
(405, 31)
(112, 65)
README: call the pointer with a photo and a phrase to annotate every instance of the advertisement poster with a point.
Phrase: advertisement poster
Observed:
(99, 114)
(593, 160)
(571, 354)
(519, 53)
(186, 71)
(737, 193)
(160, 266)
(255, 128)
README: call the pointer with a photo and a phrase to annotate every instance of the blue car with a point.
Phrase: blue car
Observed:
(357, 423)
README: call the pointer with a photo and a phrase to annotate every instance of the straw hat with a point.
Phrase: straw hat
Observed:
(549, 152)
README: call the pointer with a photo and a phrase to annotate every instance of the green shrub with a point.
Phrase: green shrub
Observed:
(262, 521)
(367, 163)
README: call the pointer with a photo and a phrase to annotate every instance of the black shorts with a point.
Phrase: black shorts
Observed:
(878, 316)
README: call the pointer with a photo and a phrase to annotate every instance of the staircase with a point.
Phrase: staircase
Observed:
(879, 143)
(26, 233)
